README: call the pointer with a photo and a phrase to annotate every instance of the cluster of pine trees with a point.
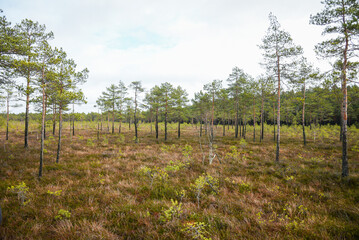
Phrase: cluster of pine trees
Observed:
(30, 67)
(308, 96)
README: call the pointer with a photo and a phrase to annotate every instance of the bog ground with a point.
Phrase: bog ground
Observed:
(112, 188)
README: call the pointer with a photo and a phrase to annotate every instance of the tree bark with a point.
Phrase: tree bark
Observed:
(156, 124)
(73, 119)
(42, 122)
(278, 113)
(303, 116)
(7, 116)
(262, 117)
(60, 131)
(27, 110)
(166, 120)
(254, 119)
(273, 121)
(237, 115)
(53, 119)
(113, 119)
(345, 164)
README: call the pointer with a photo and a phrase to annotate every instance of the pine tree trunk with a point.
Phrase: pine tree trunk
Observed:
(166, 120)
(7, 116)
(73, 119)
(98, 126)
(53, 119)
(262, 118)
(42, 124)
(108, 121)
(303, 116)
(156, 124)
(179, 127)
(27, 110)
(237, 116)
(113, 120)
(254, 119)
(278, 113)
(274, 121)
(224, 125)
(345, 164)
(60, 131)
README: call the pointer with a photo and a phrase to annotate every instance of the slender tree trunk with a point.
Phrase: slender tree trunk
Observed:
(245, 127)
(7, 116)
(303, 116)
(73, 119)
(101, 121)
(135, 118)
(179, 127)
(262, 117)
(240, 127)
(200, 128)
(98, 126)
(205, 126)
(151, 120)
(108, 121)
(228, 121)
(27, 109)
(113, 120)
(60, 131)
(274, 121)
(166, 120)
(345, 164)
(278, 113)
(237, 116)
(42, 123)
(224, 124)
(254, 119)
(53, 119)
(212, 130)
(156, 124)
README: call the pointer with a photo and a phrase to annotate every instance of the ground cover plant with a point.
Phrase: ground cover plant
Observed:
(108, 188)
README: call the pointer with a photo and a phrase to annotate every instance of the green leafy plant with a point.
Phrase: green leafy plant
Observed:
(242, 143)
(56, 193)
(172, 212)
(181, 194)
(174, 166)
(21, 190)
(62, 214)
(197, 230)
(102, 180)
(187, 151)
(234, 153)
(203, 181)
(154, 174)
(244, 187)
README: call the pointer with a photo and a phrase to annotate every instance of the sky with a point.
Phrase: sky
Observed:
(187, 43)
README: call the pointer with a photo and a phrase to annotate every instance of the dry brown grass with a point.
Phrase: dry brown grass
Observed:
(301, 197)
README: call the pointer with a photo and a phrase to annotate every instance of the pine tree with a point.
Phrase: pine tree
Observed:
(340, 17)
(279, 51)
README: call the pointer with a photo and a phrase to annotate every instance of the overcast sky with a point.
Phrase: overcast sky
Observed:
(184, 42)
